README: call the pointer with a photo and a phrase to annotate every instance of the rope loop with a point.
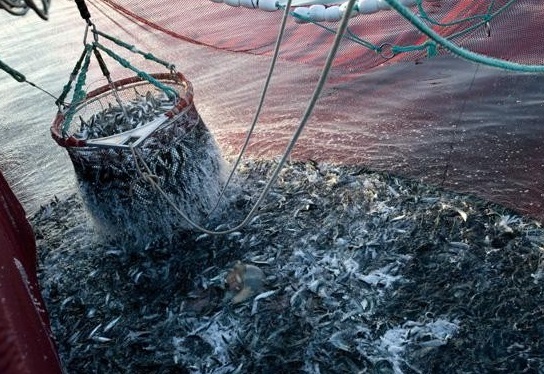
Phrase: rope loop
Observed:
(386, 51)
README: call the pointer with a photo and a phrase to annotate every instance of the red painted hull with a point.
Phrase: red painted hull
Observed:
(26, 345)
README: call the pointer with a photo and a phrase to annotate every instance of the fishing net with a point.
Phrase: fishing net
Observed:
(141, 153)
(365, 272)
(374, 87)
(379, 33)
(376, 34)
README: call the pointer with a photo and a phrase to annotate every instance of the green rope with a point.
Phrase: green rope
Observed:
(132, 48)
(79, 73)
(484, 17)
(79, 94)
(459, 51)
(171, 93)
(19, 77)
(429, 46)
(73, 75)
(424, 15)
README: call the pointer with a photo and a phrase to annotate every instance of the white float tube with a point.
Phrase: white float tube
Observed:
(333, 14)
(268, 5)
(251, 4)
(317, 13)
(303, 12)
(367, 6)
(344, 9)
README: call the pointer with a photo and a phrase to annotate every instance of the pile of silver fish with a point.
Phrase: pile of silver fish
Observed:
(361, 272)
(115, 119)
(184, 162)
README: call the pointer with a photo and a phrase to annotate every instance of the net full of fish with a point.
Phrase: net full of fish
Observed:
(180, 155)
(116, 119)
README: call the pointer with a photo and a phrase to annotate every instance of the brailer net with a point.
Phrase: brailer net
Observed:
(131, 138)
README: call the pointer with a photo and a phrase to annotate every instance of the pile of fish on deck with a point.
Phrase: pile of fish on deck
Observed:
(363, 272)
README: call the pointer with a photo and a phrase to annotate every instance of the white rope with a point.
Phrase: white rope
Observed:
(307, 113)
(259, 106)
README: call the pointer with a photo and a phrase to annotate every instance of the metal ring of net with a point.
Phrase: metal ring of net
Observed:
(182, 156)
